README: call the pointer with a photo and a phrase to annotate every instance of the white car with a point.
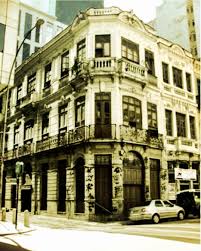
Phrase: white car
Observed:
(155, 210)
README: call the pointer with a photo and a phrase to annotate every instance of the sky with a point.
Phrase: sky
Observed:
(144, 9)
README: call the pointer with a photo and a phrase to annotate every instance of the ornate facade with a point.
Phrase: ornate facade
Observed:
(100, 116)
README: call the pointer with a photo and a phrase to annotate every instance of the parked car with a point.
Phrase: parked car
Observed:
(155, 210)
(190, 201)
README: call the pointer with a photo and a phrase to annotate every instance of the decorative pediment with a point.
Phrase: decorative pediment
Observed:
(178, 49)
(132, 20)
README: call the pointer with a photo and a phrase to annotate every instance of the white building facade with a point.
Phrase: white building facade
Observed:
(101, 116)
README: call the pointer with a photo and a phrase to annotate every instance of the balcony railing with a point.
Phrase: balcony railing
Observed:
(132, 70)
(141, 136)
(103, 65)
(92, 132)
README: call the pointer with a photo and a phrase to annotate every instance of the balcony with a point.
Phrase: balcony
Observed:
(20, 151)
(141, 136)
(102, 65)
(95, 133)
(132, 70)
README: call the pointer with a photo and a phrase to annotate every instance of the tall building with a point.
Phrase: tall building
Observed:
(103, 116)
(179, 21)
(47, 6)
(27, 18)
(66, 10)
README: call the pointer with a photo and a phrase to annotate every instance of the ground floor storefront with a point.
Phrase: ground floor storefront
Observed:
(90, 181)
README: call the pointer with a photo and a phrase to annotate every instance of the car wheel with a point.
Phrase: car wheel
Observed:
(156, 218)
(180, 216)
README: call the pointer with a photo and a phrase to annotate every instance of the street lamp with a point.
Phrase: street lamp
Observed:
(37, 25)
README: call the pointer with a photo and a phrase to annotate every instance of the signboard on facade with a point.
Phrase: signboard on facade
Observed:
(184, 174)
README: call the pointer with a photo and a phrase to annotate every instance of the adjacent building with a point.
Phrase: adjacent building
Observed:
(179, 21)
(103, 116)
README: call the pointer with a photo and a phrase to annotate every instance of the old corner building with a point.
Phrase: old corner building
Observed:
(101, 116)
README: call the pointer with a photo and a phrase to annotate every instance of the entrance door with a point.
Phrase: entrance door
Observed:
(80, 190)
(103, 184)
(43, 191)
(103, 115)
(62, 186)
(155, 178)
(133, 181)
(26, 200)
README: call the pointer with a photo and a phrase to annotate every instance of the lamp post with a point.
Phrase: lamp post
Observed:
(37, 25)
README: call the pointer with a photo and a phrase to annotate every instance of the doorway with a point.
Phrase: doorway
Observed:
(61, 186)
(133, 181)
(80, 183)
(103, 184)
(155, 178)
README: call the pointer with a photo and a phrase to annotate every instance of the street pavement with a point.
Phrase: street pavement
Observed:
(59, 233)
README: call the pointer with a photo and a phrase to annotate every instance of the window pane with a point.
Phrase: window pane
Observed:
(2, 36)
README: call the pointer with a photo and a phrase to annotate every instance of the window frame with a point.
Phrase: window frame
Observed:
(28, 130)
(65, 64)
(192, 127)
(181, 128)
(165, 71)
(81, 50)
(169, 130)
(63, 114)
(177, 77)
(188, 82)
(150, 62)
(48, 75)
(133, 104)
(31, 83)
(133, 47)
(80, 111)
(152, 108)
(45, 125)
(102, 41)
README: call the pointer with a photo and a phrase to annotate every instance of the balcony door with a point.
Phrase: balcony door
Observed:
(103, 115)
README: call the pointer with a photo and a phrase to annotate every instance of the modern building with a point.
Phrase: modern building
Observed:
(179, 21)
(103, 117)
(47, 6)
(27, 18)
(66, 10)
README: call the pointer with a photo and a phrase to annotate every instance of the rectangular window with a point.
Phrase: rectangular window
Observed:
(80, 111)
(28, 130)
(188, 81)
(181, 125)
(31, 83)
(192, 127)
(63, 112)
(149, 61)
(19, 94)
(102, 46)
(132, 113)
(26, 51)
(152, 116)
(16, 135)
(130, 50)
(27, 25)
(165, 72)
(177, 77)
(81, 50)
(47, 80)
(2, 36)
(168, 117)
(37, 34)
(65, 64)
(45, 125)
